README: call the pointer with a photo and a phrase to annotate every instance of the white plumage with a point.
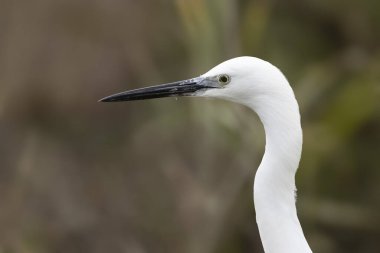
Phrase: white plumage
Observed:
(263, 88)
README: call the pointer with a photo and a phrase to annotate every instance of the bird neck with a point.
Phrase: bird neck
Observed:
(274, 187)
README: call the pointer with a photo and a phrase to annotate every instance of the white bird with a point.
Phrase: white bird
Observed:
(263, 88)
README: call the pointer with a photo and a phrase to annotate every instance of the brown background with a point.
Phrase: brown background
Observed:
(176, 176)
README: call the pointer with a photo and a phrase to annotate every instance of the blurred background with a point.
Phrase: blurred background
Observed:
(176, 175)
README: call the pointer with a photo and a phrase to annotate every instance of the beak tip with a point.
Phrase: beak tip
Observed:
(106, 99)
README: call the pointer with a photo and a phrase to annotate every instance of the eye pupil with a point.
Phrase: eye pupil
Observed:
(224, 79)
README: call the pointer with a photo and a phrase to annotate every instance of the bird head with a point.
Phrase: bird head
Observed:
(244, 80)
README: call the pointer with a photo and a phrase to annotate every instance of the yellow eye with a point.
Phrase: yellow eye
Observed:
(224, 79)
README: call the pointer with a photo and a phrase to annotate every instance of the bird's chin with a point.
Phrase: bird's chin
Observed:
(210, 93)
(221, 94)
(200, 93)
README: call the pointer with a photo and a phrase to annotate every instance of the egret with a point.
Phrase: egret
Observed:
(262, 87)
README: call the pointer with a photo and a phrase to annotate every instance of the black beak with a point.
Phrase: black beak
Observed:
(180, 88)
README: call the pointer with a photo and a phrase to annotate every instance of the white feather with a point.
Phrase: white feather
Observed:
(262, 87)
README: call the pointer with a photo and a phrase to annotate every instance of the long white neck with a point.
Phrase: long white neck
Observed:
(274, 187)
